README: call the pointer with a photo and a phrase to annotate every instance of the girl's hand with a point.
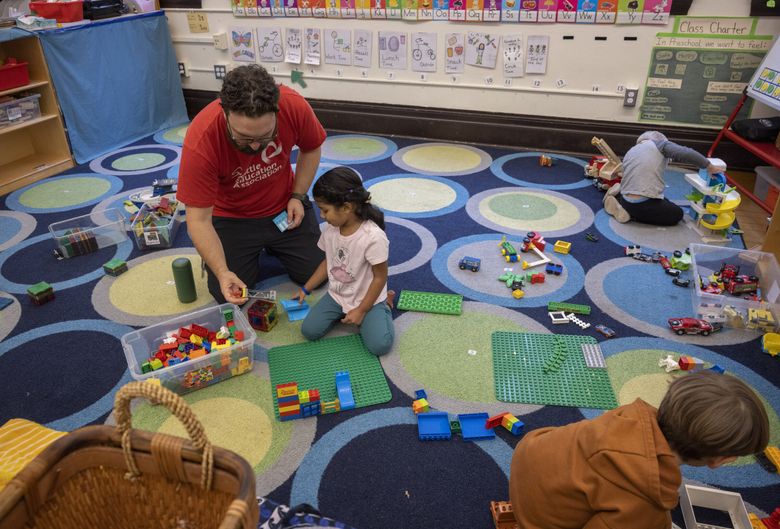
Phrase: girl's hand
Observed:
(355, 317)
(300, 296)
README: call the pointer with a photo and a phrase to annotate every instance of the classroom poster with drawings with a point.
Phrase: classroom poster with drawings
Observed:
(338, 46)
(606, 12)
(482, 49)
(242, 44)
(312, 47)
(292, 50)
(656, 12)
(423, 52)
(392, 50)
(538, 47)
(513, 55)
(361, 55)
(630, 11)
(269, 44)
(455, 55)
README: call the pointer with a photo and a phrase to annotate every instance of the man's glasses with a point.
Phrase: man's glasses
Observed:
(245, 142)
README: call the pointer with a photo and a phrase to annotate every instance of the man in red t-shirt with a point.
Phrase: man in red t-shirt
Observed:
(236, 176)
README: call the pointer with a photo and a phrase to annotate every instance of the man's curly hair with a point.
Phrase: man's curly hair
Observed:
(249, 90)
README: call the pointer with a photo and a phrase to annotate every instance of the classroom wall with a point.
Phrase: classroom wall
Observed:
(591, 71)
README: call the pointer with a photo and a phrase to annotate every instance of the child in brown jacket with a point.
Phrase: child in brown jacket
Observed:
(622, 469)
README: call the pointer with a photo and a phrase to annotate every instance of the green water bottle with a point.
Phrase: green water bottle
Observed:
(185, 283)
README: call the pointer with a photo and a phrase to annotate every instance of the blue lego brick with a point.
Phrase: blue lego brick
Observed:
(311, 409)
(420, 394)
(472, 426)
(290, 417)
(344, 390)
(433, 426)
(517, 427)
(717, 369)
(295, 311)
(291, 398)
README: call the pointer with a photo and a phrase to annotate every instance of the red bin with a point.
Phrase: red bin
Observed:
(13, 74)
(61, 11)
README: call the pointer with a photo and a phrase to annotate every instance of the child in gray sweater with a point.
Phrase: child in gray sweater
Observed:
(640, 195)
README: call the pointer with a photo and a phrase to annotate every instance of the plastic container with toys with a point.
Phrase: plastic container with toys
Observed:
(18, 108)
(740, 288)
(180, 337)
(88, 233)
(156, 223)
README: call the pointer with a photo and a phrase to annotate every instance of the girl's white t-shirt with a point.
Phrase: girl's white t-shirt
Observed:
(349, 261)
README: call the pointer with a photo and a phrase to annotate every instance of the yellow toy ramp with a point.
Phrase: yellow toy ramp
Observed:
(729, 203)
(722, 221)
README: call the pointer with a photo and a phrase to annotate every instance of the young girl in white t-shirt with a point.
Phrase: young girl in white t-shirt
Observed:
(356, 253)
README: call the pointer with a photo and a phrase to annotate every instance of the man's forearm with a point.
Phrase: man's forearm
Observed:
(207, 242)
(305, 169)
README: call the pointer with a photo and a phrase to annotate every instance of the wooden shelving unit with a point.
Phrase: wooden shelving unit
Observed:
(37, 148)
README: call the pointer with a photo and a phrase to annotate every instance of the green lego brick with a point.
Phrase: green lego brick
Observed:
(554, 306)
(522, 371)
(430, 302)
(39, 288)
(313, 365)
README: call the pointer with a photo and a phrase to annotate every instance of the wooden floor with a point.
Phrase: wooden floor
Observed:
(751, 219)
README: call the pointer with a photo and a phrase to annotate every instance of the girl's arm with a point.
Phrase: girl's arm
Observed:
(317, 278)
(356, 315)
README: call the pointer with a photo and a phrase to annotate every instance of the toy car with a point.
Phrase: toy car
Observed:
(472, 263)
(606, 331)
(693, 326)
(507, 250)
(672, 272)
(681, 282)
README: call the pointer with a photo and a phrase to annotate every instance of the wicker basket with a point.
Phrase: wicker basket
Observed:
(104, 477)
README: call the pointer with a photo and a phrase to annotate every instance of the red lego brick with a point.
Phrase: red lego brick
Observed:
(239, 335)
(200, 331)
(494, 421)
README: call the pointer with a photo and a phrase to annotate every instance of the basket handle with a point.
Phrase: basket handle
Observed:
(157, 394)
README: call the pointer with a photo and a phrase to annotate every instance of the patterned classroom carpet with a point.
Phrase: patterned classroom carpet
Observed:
(62, 362)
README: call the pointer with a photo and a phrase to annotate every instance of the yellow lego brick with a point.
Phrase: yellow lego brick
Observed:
(155, 381)
(303, 396)
(420, 406)
(156, 364)
(755, 521)
(562, 247)
(508, 420)
(287, 390)
(197, 340)
(291, 407)
(243, 364)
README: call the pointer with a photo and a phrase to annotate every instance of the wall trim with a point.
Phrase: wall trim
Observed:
(539, 133)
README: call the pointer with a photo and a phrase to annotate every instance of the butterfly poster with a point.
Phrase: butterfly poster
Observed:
(242, 44)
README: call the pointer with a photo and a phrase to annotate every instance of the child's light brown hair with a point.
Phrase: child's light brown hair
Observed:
(706, 414)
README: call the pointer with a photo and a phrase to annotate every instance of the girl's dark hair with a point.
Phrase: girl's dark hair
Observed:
(249, 90)
(341, 185)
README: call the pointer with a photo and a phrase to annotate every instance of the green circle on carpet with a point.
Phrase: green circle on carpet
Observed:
(522, 207)
(65, 192)
(176, 135)
(412, 195)
(434, 351)
(442, 158)
(138, 162)
(286, 332)
(356, 147)
(236, 413)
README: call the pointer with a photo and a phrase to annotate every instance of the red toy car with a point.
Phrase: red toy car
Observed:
(693, 326)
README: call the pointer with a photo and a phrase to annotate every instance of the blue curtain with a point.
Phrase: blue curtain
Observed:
(117, 81)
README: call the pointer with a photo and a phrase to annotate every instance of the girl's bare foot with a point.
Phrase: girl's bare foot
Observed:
(390, 298)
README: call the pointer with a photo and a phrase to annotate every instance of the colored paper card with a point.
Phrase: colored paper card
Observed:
(281, 221)
(338, 46)
(378, 9)
(197, 22)
(474, 10)
(441, 9)
(392, 50)
(362, 51)
(293, 51)
(510, 10)
(514, 57)
(458, 10)
(491, 11)
(291, 10)
(586, 11)
(482, 49)
(424, 52)
(332, 9)
(606, 12)
(269, 44)
(395, 9)
(242, 44)
(304, 8)
(264, 7)
(363, 9)
(313, 48)
(348, 9)
(425, 11)
(238, 8)
(455, 55)
(547, 11)
(410, 9)
(630, 11)
(567, 11)
(318, 8)
(656, 12)
(536, 58)
(277, 8)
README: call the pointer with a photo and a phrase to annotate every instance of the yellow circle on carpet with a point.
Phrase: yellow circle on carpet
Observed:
(65, 192)
(412, 195)
(441, 158)
(564, 214)
(236, 423)
(147, 288)
(650, 388)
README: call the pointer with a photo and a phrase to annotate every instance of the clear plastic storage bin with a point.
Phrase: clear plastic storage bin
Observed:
(200, 372)
(19, 110)
(737, 309)
(83, 235)
(159, 233)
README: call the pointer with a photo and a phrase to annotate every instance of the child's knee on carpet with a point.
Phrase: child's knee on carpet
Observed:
(312, 330)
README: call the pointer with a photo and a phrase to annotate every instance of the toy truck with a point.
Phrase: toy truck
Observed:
(470, 263)
(507, 250)
(606, 170)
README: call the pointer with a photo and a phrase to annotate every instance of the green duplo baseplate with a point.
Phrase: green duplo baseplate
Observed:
(519, 360)
(430, 302)
(313, 365)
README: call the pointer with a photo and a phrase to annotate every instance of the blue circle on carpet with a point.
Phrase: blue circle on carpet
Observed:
(122, 251)
(306, 483)
(58, 367)
(507, 166)
(751, 475)
(575, 279)
(103, 164)
(403, 258)
(461, 195)
(13, 200)
(15, 226)
(387, 148)
(116, 201)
